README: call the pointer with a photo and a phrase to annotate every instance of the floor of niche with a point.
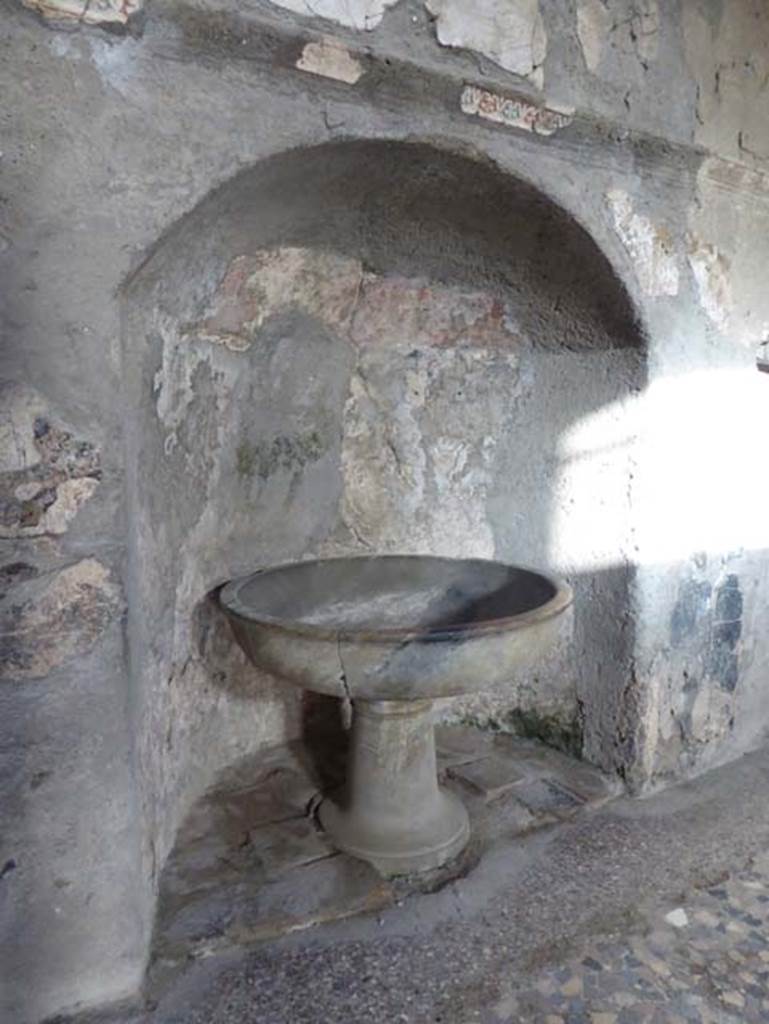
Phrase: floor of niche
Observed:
(250, 863)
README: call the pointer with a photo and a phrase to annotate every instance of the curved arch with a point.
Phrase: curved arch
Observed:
(412, 207)
(364, 343)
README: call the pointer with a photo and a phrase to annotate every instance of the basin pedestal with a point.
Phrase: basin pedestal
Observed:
(412, 629)
(392, 812)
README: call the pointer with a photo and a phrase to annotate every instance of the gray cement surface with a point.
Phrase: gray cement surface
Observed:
(524, 935)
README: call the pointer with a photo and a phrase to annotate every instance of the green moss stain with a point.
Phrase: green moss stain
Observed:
(284, 452)
(245, 460)
(484, 722)
(553, 731)
(549, 729)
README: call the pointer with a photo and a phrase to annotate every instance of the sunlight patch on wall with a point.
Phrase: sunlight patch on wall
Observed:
(699, 490)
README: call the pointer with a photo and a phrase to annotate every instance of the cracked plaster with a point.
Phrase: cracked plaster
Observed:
(649, 247)
(509, 32)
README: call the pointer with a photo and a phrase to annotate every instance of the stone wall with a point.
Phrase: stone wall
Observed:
(389, 278)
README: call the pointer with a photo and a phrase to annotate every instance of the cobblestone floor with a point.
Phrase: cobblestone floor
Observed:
(704, 960)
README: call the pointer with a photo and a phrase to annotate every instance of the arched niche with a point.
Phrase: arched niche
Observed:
(365, 345)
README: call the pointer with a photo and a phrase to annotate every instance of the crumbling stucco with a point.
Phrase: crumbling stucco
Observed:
(726, 222)
(418, 433)
(711, 275)
(19, 408)
(49, 619)
(47, 474)
(649, 246)
(360, 14)
(255, 287)
(509, 32)
(88, 12)
(330, 59)
(593, 22)
(728, 55)
(644, 28)
(419, 447)
(700, 671)
(395, 311)
(630, 29)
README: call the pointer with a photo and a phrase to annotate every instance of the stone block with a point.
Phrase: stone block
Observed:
(244, 911)
(203, 863)
(455, 745)
(536, 759)
(246, 834)
(326, 890)
(201, 923)
(510, 818)
(293, 789)
(248, 809)
(544, 797)
(584, 780)
(288, 845)
(491, 776)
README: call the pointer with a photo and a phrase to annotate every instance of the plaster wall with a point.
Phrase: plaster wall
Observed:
(311, 369)
(140, 415)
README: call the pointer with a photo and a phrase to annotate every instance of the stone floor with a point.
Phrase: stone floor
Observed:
(250, 863)
(704, 960)
(614, 912)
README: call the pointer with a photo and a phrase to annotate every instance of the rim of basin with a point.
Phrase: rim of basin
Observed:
(229, 597)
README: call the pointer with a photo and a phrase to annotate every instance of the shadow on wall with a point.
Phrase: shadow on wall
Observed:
(366, 346)
(322, 720)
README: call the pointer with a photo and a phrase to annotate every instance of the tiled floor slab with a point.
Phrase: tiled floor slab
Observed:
(489, 776)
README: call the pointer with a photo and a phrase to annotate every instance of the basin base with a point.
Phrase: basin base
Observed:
(399, 855)
(392, 812)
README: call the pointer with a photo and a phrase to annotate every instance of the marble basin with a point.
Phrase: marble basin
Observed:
(393, 633)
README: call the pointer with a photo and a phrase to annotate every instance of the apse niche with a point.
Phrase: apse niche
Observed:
(364, 347)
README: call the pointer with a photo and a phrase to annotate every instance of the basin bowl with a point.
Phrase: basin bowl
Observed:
(391, 634)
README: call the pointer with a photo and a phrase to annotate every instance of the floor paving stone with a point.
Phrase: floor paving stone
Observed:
(250, 862)
(457, 745)
(328, 890)
(490, 776)
(504, 947)
(537, 760)
(286, 845)
(545, 797)
(507, 819)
